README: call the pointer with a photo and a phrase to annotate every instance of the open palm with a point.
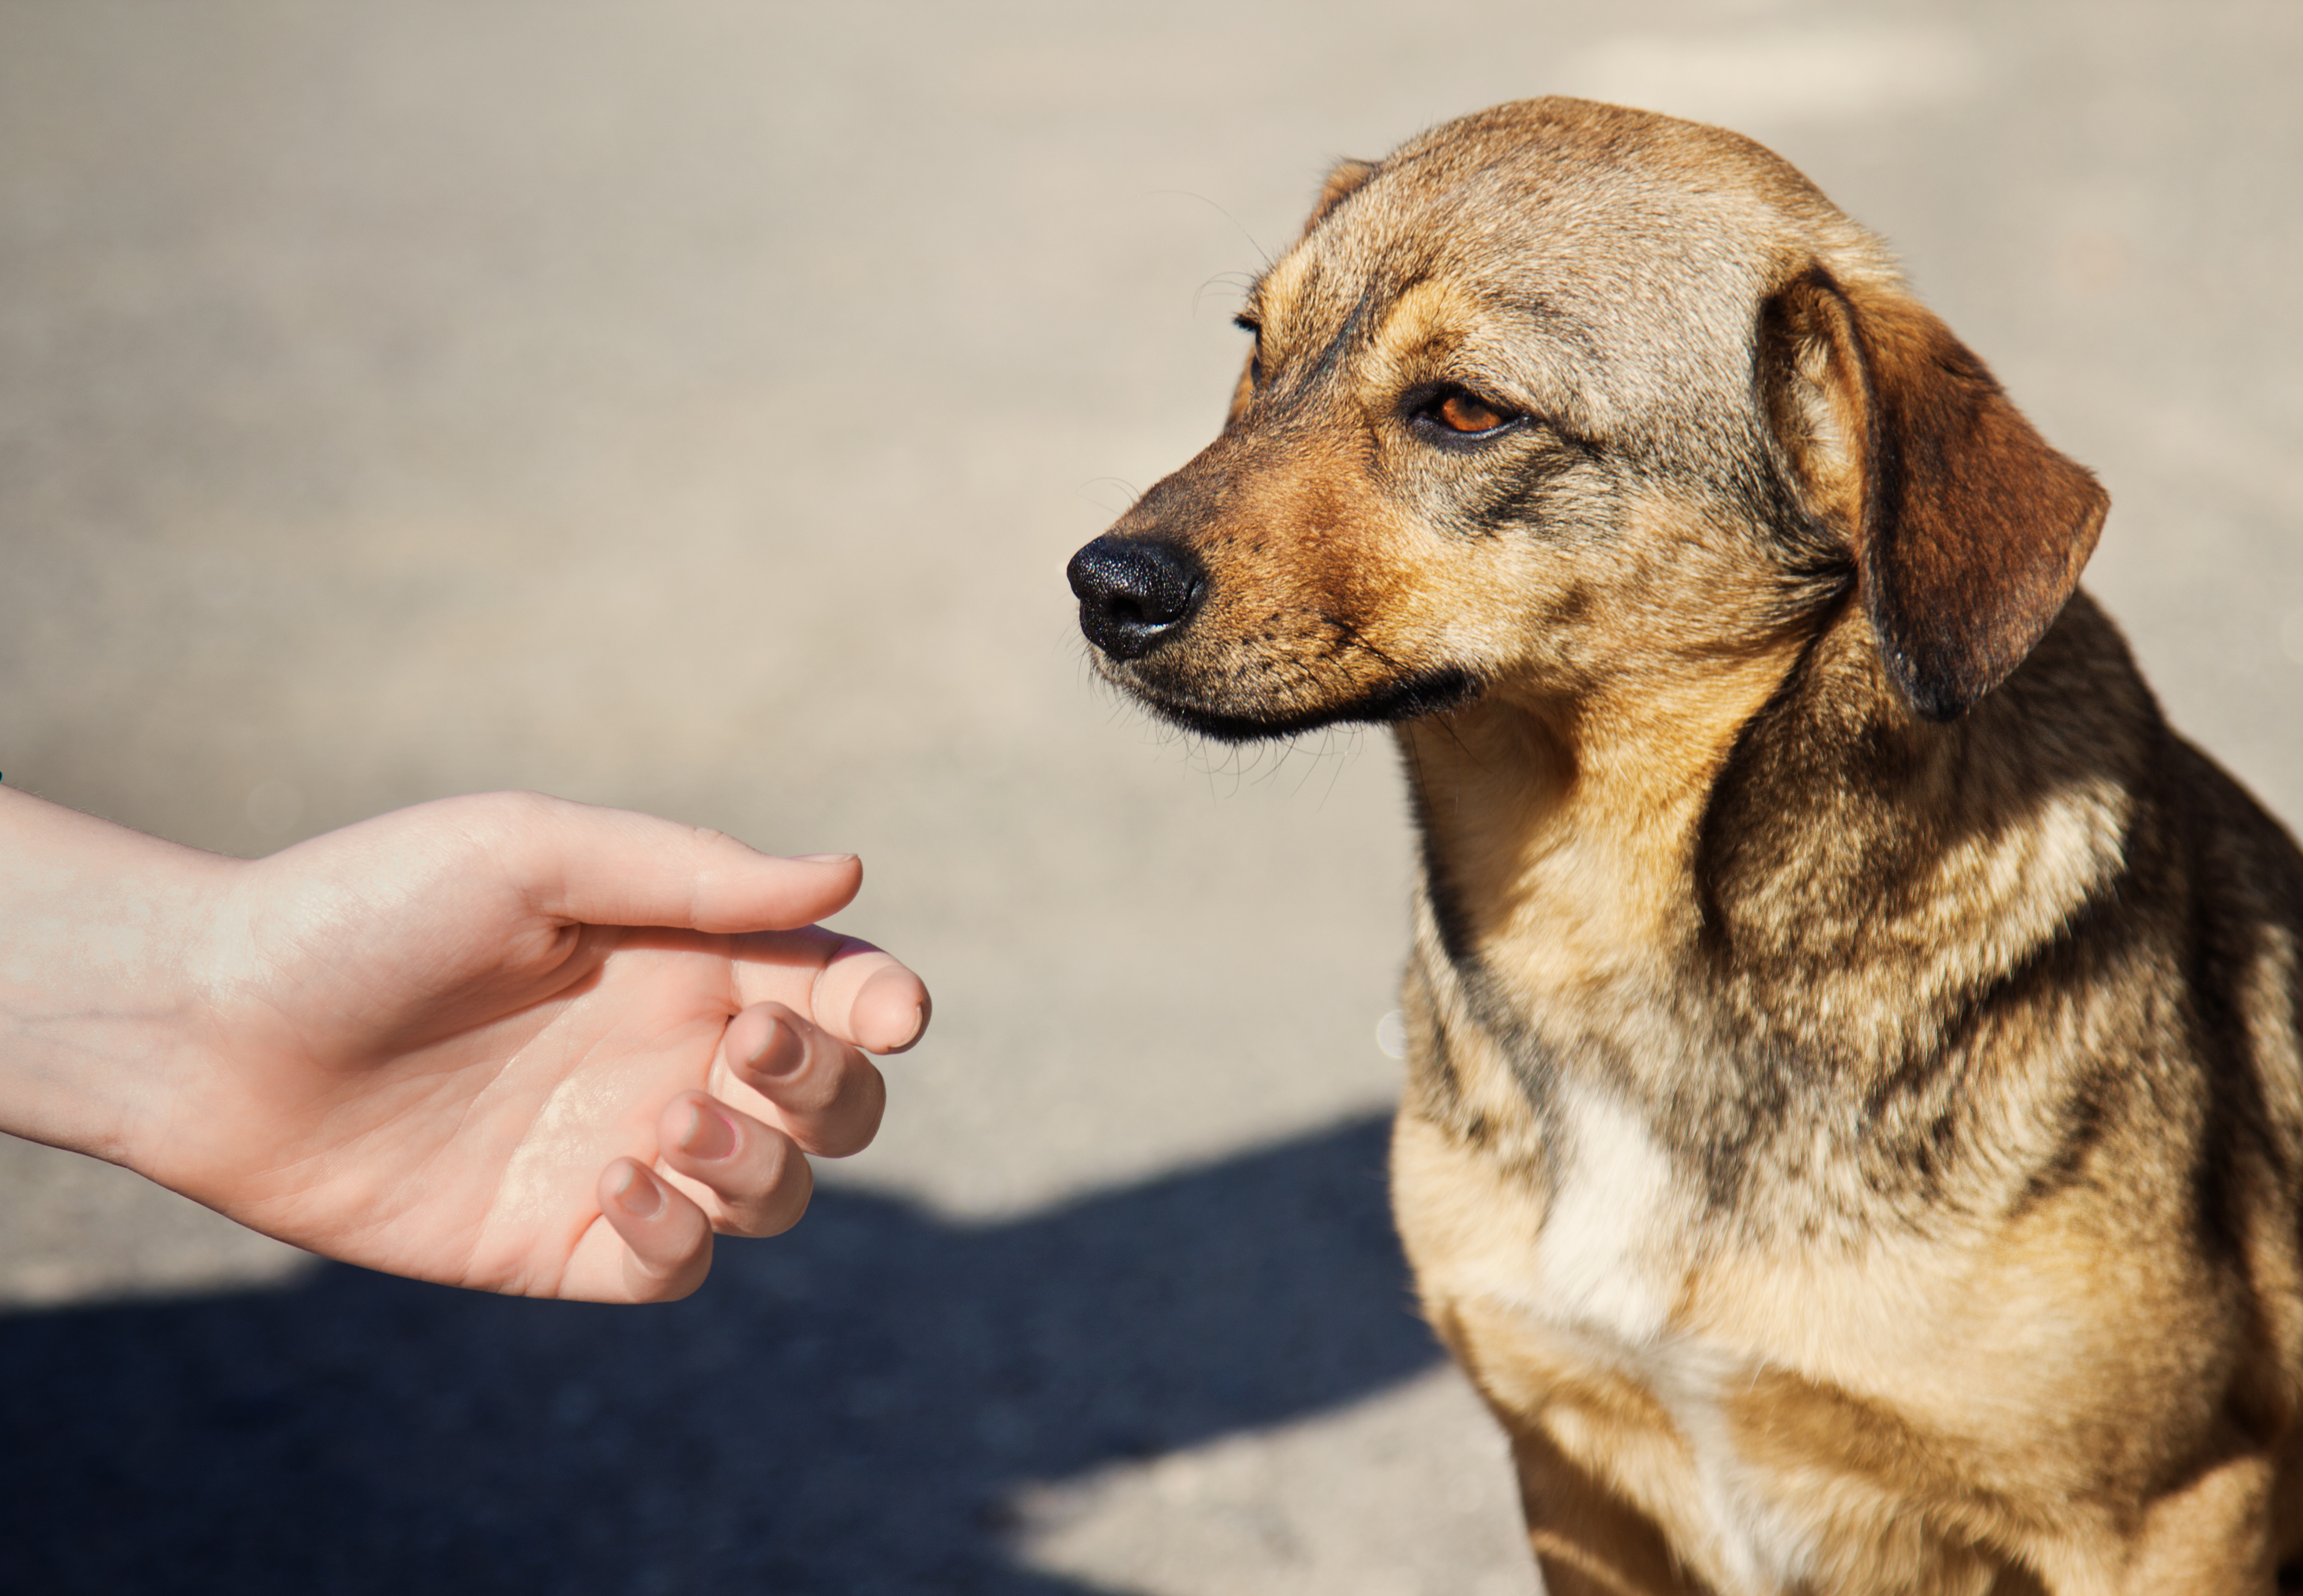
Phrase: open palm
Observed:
(527, 1046)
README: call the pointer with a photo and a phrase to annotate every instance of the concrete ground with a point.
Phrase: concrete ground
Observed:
(691, 405)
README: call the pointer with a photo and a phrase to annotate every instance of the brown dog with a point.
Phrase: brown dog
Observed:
(1855, 1125)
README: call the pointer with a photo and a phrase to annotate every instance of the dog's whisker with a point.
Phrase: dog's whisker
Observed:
(1128, 489)
(1262, 253)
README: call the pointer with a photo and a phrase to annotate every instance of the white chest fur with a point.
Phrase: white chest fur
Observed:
(1615, 1243)
(1617, 1250)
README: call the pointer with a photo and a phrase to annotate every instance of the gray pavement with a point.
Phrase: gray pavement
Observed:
(691, 405)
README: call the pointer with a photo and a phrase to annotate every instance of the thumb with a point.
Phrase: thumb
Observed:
(597, 866)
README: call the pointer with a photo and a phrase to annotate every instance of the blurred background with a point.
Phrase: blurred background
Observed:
(691, 406)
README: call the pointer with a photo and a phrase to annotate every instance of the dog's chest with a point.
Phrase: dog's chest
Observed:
(1620, 1231)
(1608, 1288)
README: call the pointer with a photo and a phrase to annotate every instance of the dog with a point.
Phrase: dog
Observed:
(1853, 1127)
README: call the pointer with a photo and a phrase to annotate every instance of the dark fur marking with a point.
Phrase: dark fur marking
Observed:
(1515, 501)
(2233, 1136)
(1332, 355)
(1439, 888)
(2082, 1118)
(1435, 1093)
(1717, 836)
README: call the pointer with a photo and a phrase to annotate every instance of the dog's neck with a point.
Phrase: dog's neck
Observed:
(1560, 840)
(1748, 828)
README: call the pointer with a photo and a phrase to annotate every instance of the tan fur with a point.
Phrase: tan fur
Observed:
(1854, 1123)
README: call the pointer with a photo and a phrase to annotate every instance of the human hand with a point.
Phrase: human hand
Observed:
(522, 1044)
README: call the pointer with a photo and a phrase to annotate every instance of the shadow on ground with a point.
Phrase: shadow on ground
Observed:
(847, 1409)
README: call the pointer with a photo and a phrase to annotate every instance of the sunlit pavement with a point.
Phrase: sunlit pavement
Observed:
(691, 406)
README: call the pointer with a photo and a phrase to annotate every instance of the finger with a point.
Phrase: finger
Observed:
(866, 997)
(758, 1180)
(618, 868)
(828, 1095)
(667, 1239)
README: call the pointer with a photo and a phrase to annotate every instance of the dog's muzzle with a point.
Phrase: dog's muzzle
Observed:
(1134, 594)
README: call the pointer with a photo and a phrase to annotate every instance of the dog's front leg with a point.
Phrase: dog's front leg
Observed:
(1587, 1540)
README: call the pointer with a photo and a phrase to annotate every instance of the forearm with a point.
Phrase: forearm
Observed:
(96, 1005)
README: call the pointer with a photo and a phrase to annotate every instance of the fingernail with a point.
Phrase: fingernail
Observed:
(919, 1025)
(637, 1193)
(824, 858)
(709, 1133)
(751, 1061)
(779, 1035)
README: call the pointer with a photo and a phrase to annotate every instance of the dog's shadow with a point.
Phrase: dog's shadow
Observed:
(848, 1409)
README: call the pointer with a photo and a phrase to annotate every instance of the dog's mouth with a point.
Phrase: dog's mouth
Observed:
(1427, 694)
(1144, 606)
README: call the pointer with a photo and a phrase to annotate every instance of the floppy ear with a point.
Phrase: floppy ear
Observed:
(1345, 179)
(1968, 531)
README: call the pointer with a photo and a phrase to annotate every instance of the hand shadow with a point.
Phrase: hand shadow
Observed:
(847, 1409)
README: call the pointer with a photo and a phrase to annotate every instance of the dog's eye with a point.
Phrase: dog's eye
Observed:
(1255, 329)
(1459, 412)
(1454, 413)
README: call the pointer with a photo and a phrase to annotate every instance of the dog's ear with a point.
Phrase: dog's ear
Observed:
(1968, 531)
(1345, 179)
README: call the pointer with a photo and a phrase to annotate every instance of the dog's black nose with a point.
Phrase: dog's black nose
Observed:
(1134, 595)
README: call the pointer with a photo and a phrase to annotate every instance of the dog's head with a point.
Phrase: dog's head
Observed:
(1562, 397)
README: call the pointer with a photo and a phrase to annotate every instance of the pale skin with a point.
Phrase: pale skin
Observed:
(508, 1042)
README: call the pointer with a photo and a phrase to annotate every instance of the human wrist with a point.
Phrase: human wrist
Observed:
(100, 1003)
